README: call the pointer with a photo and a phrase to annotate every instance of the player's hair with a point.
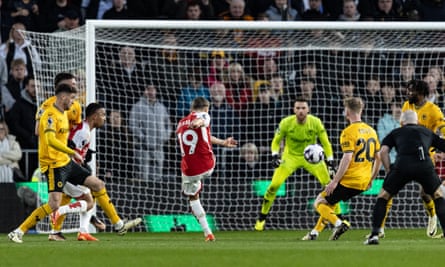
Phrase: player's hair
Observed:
(355, 104)
(301, 99)
(418, 86)
(62, 76)
(200, 103)
(92, 108)
(65, 88)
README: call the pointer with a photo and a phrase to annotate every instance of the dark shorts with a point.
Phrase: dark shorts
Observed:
(341, 193)
(72, 172)
(398, 177)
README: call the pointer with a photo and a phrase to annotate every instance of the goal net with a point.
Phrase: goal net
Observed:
(146, 73)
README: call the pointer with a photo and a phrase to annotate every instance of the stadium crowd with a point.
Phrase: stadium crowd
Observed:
(260, 78)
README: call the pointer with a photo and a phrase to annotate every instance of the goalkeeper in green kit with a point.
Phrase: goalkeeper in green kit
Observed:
(298, 131)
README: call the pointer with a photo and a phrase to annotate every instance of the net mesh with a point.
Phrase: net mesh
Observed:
(262, 71)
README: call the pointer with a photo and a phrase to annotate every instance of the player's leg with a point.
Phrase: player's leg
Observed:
(432, 186)
(325, 206)
(280, 175)
(428, 204)
(99, 192)
(55, 187)
(56, 229)
(319, 171)
(191, 187)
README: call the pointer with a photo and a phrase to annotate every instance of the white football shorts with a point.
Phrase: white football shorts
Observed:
(192, 185)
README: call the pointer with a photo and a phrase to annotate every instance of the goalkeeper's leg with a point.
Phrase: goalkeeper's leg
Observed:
(280, 175)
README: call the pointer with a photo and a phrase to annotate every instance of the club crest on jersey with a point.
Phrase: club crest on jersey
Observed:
(50, 122)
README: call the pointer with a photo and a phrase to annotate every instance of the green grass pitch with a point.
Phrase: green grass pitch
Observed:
(241, 248)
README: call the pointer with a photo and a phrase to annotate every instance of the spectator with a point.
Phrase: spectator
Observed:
(315, 11)
(278, 95)
(238, 91)
(389, 121)
(410, 10)
(18, 47)
(350, 12)
(224, 121)
(53, 14)
(151, 127)
(116, 162)
(435, 93)
(7, 101)
(194, 89)
(5, 21)
(26, 12)
(10, 154)
(192, 10)
(374, 101)
(4, 74)
(124, 81)
(406, 72)
(246, 166)
(389, 96)
(261, 119)
(386, 11)
(266, 68)
(437, 72)
(70, 21)
(95, 9)
(119, 10)
(166, 69)
(237, 11)
(218, 67)
(16, 80)
(280, 10)
(22, 121)
(255, 58)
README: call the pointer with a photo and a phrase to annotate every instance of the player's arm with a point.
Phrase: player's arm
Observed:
(375, 167)
(53, 142)
(228, 142)
(280, 133)
(327, 147)
(384, 157)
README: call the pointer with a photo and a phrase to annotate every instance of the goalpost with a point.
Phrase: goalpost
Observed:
(139, 159)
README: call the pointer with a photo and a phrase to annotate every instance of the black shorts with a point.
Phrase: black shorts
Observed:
(397, 178)
(72, 172)
(342, 193)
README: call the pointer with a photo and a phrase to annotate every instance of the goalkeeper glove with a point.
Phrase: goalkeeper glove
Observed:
(331, 168)
(276, 161)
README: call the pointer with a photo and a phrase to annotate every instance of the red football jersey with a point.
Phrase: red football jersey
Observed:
(196, 148)
(80, 136)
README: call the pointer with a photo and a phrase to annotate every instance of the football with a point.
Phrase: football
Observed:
(314, 153)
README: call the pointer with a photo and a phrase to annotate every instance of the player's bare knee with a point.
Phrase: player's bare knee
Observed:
(94, 183)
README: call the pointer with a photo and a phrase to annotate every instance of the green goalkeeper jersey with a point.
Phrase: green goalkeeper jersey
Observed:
(297, 136)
